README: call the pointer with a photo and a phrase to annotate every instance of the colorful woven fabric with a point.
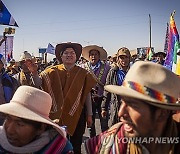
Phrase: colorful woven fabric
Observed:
(150, 92)
(58, 145)
(173, 46)
(107, 142)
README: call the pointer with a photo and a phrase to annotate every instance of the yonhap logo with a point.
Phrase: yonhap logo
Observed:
(107, 140)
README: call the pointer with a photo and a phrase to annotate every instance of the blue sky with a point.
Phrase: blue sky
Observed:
(108, 23)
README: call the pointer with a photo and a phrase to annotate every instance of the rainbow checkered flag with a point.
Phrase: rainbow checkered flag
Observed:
(176, 59)
(173, 46)
(149, 54)
(178, 63)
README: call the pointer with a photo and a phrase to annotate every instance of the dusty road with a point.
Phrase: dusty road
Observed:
(86, 134)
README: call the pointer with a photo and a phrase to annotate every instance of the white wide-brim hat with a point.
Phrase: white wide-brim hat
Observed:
(151, 83)
(32, 104)
(87, 49)
(25, 55)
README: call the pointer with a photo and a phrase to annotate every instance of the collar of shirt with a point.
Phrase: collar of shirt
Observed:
(95, 67)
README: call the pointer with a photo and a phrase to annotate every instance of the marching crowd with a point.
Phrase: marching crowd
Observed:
(46, 108)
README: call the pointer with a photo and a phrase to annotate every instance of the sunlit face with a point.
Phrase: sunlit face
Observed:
(18, 132)
(24, 66)
(94, 56)
(137, 118)
(160, 58)
(69, 56)
(123, 60)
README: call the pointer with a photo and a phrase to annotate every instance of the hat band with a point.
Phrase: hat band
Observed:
(149, 92)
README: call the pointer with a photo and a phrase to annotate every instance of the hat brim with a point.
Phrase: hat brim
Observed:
(85, 52)
(158, 53)
(124, 54)
(60, 47)
(127, 92)
(15, 109)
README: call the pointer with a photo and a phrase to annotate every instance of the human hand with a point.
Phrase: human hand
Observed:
(31, 66)
(56, 121)
(103, 113)
(89, 121)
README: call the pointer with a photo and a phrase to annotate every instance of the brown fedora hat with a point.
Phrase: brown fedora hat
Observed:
(62, 46)
(123, 52)
(87, 49)
(160, 53)
(152, 83)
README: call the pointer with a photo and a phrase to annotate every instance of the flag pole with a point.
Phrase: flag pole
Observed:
(172, 14)
(149, 31)
(166, 39)
(5, 42)
(46, 58)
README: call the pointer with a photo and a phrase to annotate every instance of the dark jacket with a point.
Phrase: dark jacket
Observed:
(111, 102)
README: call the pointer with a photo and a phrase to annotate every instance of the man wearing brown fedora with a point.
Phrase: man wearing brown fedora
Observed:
(69, 86)
(149, 96)
(99, 69)
(111, 102)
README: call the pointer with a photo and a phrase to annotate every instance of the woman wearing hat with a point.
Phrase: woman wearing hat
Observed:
(28, 128)
(69, 86)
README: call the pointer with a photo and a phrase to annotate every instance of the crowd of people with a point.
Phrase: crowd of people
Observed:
(45, 108)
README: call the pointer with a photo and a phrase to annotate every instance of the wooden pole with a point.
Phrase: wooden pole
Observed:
(46, 58)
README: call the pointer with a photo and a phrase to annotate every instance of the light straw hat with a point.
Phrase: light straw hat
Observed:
(32, 104)
(152, 83)
(87, 49)
(25, 55)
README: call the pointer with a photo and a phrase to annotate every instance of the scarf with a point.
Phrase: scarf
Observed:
(34, 146)
(107, 142)
(95, 67)
(57, 146)
(94, 71)
(120, 76)
(170, 131)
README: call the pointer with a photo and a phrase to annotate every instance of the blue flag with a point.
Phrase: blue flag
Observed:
(5, 16)
(50, 49)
